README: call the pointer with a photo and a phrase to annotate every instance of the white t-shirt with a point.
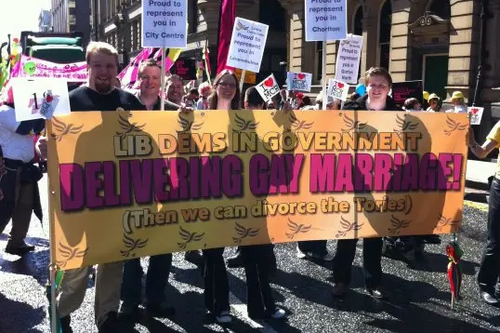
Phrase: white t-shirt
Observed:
(14, 146)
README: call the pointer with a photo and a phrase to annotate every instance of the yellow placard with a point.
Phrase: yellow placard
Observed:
(130, 184)
(250, 77)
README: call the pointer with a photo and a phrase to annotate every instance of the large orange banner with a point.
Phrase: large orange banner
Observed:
(130, 184)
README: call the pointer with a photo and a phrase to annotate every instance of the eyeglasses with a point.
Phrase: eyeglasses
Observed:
(227, 84)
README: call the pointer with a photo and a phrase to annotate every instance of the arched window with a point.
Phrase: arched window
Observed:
(358, 21)
(385, 34)
(440, 8)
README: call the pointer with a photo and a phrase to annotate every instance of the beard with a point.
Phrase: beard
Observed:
(103, 88)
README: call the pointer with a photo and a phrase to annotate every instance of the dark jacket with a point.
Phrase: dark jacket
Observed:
(360, 104)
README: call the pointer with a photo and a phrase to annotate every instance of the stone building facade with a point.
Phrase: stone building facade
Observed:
(118, 22)
(71, 16)
(442, 42)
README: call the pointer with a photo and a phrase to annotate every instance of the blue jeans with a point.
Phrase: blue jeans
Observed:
(156, 280)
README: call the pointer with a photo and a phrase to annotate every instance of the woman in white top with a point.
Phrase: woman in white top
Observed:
(458, 102)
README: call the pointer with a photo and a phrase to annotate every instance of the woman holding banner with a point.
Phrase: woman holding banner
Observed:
(225, 96)
(378, 84)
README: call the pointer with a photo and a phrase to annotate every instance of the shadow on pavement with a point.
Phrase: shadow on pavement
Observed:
(19, 317)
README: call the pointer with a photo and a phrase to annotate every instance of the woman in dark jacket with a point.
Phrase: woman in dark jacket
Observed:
(378, 82)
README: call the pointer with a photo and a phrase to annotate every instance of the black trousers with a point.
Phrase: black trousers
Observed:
(372, 257)
(490, 264)
(216, 282)
(317, 247)
(259, 261)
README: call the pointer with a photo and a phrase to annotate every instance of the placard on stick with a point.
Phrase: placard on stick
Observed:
(337, 89)
(325, 20)
(268, 88)
(164, 23)
(40, 98)
(348, 59)
(247, 45)
(299, 81)
(476, 114)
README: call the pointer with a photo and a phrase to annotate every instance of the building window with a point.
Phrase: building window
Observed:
(358, 22)
(135, 40)
(440, 8)
(273, 14)
(319, 61)
(193, 16)
(385, 35)
(139, 34)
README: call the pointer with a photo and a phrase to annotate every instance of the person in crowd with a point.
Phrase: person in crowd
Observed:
(159, 265)
(331, 104)
(258, 260)
(225, 96)
(378, 82)
(354, 96)
(150, 84)
(434, 103)
(191, 99)
(175, 91)
(458, 102)
(253, 101)
(489, 271)
(306, 101)
(18, 175)
(412, 104)
(205, 90)
(101, 94)
(425, 101)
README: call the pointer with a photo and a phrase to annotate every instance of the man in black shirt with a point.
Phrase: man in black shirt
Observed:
(159, 265)
(99, 94)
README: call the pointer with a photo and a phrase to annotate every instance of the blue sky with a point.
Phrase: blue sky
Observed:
(20, 15)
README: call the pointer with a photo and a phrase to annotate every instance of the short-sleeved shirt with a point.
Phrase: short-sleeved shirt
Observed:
(495, 136)
(14, 146)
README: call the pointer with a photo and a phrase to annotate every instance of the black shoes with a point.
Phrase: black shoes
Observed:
(20, 251)
(489, 298)
(377, 293)
(160, 310)
(65, 324)
(111, 324)
(340, 289)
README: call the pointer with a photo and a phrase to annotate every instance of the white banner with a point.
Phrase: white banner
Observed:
(268, 88)
(40, 98)
(299, 81)
(337, 89)
(247, 45)
(326, 20)
(164, 23)
(348, 58)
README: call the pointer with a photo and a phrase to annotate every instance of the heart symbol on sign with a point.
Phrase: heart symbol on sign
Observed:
(340, 85)
(301, 76)
(474, 111)
(269, 82)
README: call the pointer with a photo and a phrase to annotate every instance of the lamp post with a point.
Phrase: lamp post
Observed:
(121, 21)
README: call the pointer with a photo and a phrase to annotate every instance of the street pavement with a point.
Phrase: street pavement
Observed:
(419, 302)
